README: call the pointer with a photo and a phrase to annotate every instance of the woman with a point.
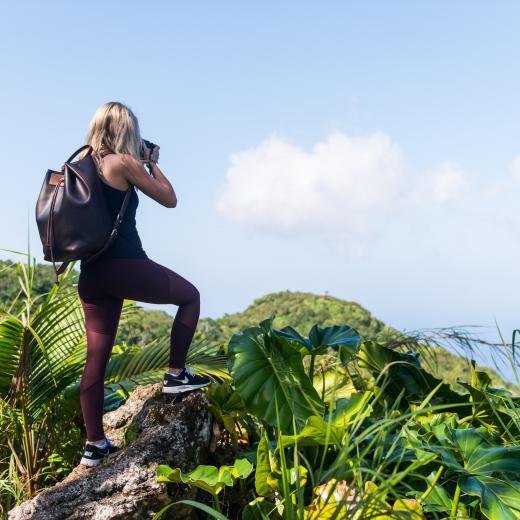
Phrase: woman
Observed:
(124, 270)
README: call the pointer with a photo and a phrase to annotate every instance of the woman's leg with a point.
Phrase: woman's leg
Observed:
(144, 280)
(102, 289)
(186, 318)
(101, 321)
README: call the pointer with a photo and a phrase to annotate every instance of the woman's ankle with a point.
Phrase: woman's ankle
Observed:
(99, 442)
(175, 371)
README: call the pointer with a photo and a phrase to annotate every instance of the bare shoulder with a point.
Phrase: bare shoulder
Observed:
(118, 162)
(125, 159)
(113, 172)
(127, 165)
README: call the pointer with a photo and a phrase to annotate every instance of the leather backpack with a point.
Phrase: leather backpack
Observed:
(72, 213)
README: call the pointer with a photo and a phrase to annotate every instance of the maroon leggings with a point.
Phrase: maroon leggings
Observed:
(102, 287)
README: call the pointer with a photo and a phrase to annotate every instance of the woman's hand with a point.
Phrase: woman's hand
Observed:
(147, 157)
(146, 152)
(155, 154)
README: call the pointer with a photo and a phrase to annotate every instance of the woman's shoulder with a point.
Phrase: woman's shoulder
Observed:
(122, 161)
(114, 158)
(114, 168)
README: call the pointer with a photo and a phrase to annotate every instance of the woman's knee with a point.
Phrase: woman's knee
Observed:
(185, 293)
(195, 294)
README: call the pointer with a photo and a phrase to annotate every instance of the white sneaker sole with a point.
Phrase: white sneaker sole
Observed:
(180, 389)
(89, 462)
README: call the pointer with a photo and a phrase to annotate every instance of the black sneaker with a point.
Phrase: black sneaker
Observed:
(93, 454)
(184, 382)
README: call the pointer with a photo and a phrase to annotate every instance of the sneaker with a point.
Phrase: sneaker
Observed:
(184, 382)
(93, 454)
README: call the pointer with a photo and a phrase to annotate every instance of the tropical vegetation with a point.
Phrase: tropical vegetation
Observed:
(321, 410)
(398, 444)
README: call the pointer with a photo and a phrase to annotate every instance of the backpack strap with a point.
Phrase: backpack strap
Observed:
(60, 270)
(80, 149)
(50, 236)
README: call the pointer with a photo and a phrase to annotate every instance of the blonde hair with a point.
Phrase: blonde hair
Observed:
(114, 128)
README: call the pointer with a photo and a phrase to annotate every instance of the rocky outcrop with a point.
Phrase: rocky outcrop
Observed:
(151, 428)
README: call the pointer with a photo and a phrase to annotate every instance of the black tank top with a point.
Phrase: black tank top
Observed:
(127, 243)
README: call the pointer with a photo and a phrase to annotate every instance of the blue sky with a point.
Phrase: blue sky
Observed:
(365, 149)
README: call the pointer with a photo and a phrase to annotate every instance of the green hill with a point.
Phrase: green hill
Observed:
(302, 310)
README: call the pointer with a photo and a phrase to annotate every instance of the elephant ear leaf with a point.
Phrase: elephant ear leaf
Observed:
(266, 370)
(403, 371)
(498, 498)
(293, 336)
(482, 457)
(487, 470)
(208, 478)
(316, 432)
(341, 338)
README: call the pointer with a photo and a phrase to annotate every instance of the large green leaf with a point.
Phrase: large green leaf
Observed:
(500, 500)
(483, 468)
(266, 369)
(335, 381)
(315, 432)
(208, 478)
(400, 371)
(11, 335)
(482, 457)
(342, 338)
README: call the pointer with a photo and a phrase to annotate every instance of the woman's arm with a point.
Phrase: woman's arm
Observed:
(157, 187)
(159, 175)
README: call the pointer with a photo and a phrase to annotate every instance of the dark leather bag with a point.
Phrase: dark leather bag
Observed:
(72, 213)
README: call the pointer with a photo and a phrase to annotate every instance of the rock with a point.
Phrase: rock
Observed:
(151, 428)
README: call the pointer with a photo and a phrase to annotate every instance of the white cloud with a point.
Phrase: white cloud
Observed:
(345, 187)
(337, 187)
(445, 184)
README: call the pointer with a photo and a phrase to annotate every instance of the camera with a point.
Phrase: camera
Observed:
(148, 145)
